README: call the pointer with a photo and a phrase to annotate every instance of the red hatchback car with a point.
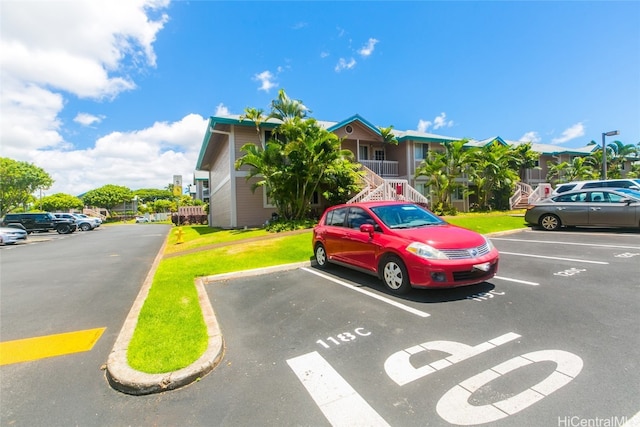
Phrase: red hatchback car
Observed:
(404, 244)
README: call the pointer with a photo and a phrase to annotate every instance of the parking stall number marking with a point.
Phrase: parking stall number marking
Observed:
(342, 405)
(483, 296)
(570, 272)
(344, 337)
(627, 255)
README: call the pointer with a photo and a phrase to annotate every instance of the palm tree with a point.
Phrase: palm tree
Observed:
(494, 175)
(443, 170)
(388, 137)
(286, 109)
(257, 117)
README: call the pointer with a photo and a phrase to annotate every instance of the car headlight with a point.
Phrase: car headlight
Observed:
(489, 243)
(425, 251)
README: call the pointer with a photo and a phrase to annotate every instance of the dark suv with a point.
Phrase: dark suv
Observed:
(41, 221)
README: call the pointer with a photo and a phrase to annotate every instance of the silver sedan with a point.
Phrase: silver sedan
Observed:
(595, 207)
(11, 235)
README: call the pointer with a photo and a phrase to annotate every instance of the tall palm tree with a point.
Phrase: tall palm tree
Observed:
(257, 117)
(286, 109)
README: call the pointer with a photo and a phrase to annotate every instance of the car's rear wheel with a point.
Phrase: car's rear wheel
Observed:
(550, 222)
(85, 226)
(394, 275)
(321, 255)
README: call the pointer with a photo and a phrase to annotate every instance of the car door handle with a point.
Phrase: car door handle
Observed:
(595, 209)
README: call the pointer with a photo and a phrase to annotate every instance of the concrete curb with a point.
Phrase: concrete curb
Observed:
(128, 380)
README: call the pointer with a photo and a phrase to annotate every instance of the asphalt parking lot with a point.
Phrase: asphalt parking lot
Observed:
(551, 340)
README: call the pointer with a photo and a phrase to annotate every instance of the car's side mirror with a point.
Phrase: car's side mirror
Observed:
(367, 228)
(627, 201)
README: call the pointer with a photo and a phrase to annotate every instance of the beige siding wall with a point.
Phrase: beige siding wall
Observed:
(244, 135)
(250, 205)
(220, 207)
(220, 188)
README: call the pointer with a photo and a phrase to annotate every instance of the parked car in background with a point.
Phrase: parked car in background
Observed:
(633, 184)
(404, 244)
(39, 222)
(12, 235)
(598, 207)
(82, 223)
(96, 221)
(140, 219)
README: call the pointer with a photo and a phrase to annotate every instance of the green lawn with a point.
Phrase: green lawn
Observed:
(171, 333)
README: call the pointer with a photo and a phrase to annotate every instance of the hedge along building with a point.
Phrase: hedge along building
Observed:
(390, 168)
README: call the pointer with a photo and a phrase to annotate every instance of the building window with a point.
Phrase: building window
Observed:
(363, 153)
(421, 151)
(378, 155)
(266, 201)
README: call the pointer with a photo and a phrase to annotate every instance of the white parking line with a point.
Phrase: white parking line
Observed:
(371, 294)
(338, 401)
(551, 242)
(556, 258)
(524, 282)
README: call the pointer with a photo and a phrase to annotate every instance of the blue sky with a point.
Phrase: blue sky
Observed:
(119, 92)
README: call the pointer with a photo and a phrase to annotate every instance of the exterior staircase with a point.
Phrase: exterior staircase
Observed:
(525, 194)
(377, 188)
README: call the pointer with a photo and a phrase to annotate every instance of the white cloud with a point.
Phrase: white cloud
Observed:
(437, 123)
(87, 119)
(324, 54)
(222, 110)
(424, 125)
(83, 50)
(441, 122)
(367, 49)
(575, 131)
(343, 64)
(90, 50)
(266, 80)
(146, 158)
(531, 136)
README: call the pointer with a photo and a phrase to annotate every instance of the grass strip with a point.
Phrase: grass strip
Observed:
(171, 333)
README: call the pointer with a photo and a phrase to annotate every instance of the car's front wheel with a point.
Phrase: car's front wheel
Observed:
(321, 255)
(550, 222)
(63, 229)
(394, 275)
(85, 226)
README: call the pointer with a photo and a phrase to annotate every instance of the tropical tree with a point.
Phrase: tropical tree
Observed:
(301, 158)
(617, 154)
(388, 137)
(580, 168)
(494, 175)
(284, 108)
(60, 202)
(108, 196)
(444, 170)
(18, 181)
(524, 158)
(146, 195)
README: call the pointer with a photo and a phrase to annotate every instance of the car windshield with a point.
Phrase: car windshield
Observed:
(406, 216)
(633, 193)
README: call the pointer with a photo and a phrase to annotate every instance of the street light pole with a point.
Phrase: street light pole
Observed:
(604, 151)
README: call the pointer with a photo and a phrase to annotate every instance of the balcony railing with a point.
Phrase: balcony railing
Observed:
(381, 167)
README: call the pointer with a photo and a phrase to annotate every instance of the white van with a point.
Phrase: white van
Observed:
(633, 184)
